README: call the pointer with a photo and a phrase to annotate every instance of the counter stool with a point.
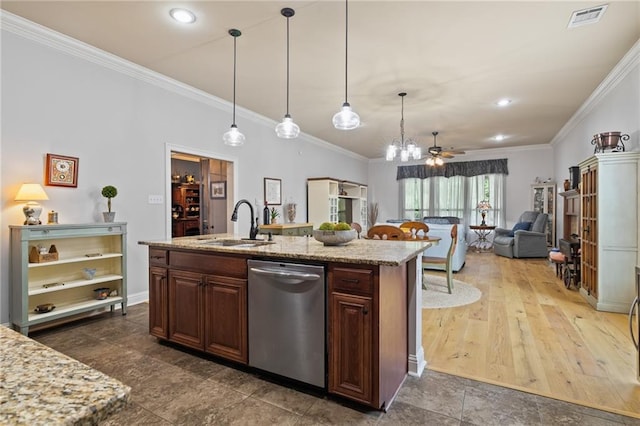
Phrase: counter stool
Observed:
(559, 260)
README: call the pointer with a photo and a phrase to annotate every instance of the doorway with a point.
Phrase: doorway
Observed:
(200, 192)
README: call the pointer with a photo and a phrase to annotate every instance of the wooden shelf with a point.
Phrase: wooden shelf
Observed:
(74, 284)
(73, 308)
(74, 260)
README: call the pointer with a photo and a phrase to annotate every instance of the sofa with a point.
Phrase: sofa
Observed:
(440, 226)
(529, 240)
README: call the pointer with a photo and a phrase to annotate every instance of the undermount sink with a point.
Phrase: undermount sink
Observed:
(237, 243)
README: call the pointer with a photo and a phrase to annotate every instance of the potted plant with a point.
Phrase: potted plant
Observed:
(274, 214)
(109, 192)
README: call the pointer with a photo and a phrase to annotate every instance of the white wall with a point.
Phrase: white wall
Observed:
(613, 106)
(61, 97)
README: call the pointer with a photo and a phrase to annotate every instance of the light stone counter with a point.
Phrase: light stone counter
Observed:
(40, 386)
(362, 251)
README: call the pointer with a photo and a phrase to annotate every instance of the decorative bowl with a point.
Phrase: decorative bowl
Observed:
(102, 293)
(89, 273)
(44, 308)
(334, 238)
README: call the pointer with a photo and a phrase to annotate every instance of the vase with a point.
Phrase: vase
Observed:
(274, 220)
(291, 212)
(109, 216)
(567, 184)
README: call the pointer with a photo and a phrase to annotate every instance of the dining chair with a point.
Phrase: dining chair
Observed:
(357, 227)
(446, 261)
(385, 232)
(413, 229)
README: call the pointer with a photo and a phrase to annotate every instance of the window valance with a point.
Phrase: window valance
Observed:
(460, 168)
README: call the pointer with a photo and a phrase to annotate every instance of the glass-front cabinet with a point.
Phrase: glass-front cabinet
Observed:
(543, 197)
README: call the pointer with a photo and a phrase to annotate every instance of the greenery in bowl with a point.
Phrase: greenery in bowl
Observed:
(334, 234)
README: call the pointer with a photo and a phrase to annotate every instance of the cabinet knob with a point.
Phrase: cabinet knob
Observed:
(351, 280)
(365, 311)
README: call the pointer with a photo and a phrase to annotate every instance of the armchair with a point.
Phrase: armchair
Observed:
(527, 238)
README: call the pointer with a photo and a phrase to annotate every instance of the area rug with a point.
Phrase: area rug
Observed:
(437, 295)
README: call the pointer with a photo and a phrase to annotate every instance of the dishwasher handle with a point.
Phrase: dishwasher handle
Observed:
(288, 277)
(634, 307)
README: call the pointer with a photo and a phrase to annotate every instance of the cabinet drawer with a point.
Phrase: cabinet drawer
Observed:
(351, 280)
(158, 257)
(229, 266)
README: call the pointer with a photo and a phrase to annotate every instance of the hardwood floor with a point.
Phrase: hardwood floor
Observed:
(528, 332)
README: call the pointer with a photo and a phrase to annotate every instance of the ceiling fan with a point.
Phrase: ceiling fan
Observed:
(437, 152)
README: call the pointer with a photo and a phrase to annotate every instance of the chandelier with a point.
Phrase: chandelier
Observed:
(406, 147)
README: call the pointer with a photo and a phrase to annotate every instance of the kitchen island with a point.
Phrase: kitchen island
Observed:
(198, 298)
(40, 386)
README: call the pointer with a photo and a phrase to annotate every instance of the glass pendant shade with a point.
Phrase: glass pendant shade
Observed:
(391, 153)
(346, 118)
(233, 137)
(287, 129)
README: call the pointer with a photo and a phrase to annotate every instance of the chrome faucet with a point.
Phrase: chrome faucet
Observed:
(253, 232)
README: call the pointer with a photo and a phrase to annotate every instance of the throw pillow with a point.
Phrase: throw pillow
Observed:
(524, 226)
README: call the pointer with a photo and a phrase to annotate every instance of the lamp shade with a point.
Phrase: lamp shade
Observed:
(31, 192)
(484, 205)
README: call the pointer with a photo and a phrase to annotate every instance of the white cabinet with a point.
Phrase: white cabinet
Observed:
(63, 282)
(333, 200)
(543, 200)
(609, 229)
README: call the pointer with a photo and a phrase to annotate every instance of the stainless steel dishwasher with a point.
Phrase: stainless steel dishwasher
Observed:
(287, 320)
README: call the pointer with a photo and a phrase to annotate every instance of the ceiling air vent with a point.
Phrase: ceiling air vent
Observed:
(586, 16)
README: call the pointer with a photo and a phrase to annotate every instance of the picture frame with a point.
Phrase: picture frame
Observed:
(61, 170)
(273, 191)
(218, 190)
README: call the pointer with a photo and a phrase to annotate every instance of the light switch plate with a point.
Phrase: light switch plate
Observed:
(156, 199)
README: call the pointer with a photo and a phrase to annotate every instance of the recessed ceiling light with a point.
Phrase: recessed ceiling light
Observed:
(503, 102)
(500, 137)
(183, 15)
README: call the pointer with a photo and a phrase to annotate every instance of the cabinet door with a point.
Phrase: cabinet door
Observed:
(350, 347)
(226, 317)
(158, 309)
(589, 231)
(185, 308)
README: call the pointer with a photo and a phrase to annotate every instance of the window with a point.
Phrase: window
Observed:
(454, 196)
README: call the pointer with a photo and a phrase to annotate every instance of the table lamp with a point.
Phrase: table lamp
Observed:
(483, 208)
(31, 193)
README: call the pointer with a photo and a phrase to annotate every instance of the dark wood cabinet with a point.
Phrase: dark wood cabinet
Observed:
(200, 300)
(351, 355)
(571, 213)
(158, 294)
(226, 317)
(367, 332)
(185, 209)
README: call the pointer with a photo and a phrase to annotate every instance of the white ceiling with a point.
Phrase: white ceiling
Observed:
(454, 59)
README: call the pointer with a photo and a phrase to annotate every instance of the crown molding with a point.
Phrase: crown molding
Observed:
(76, 48)
(630, 60)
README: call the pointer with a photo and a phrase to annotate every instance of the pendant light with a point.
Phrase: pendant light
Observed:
(346, 118)
(233, 137)
(287, 129)
(408, 148)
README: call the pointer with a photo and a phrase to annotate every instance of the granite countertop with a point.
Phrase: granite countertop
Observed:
(40, 386)
(359, 251)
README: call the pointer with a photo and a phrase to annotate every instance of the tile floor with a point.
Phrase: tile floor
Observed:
(171, 386)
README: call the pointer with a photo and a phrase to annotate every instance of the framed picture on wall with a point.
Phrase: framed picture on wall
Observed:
(273, 191)
(61, 171)
(219, 190)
